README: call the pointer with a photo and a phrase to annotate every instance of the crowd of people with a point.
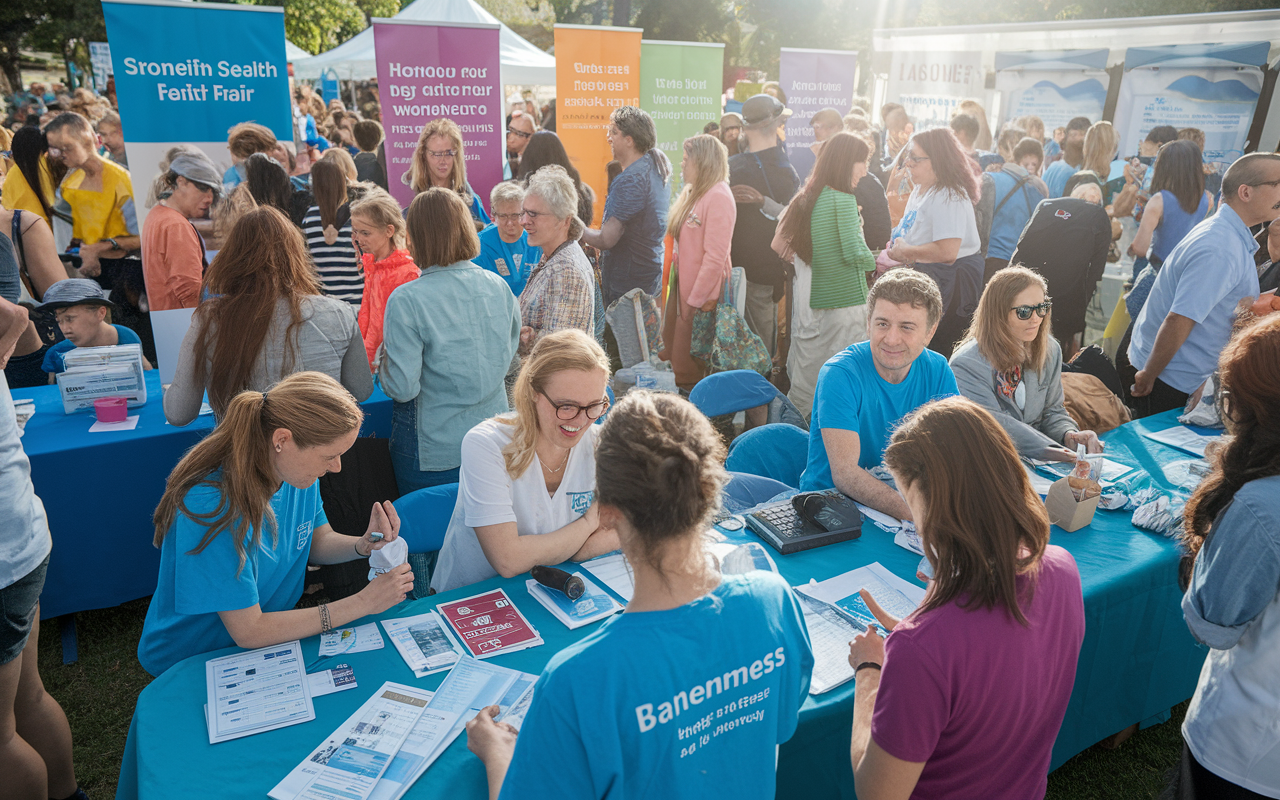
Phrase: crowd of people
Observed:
(921, 295)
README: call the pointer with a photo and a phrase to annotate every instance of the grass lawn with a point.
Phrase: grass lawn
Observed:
(99, 692)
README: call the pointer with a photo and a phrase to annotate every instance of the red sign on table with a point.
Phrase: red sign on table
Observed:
(489, 624)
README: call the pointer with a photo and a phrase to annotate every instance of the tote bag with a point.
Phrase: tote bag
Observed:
(723, 341)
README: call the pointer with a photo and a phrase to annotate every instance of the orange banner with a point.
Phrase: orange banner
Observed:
(597, 70)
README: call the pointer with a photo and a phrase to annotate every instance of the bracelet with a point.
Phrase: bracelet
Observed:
(114, 244)
(326, 625)
(866, 665)
(356, 546)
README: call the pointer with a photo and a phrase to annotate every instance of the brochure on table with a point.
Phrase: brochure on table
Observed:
(257, 690)
(351, 640)
(613, 571)
(489, 624)
(423, 643)
(1183, 438)
(595, 603)
(93, 373)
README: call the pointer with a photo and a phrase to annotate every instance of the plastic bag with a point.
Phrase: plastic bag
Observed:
(388, 557)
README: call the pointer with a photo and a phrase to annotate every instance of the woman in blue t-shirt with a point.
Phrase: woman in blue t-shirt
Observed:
(690, 691)
(241, 518)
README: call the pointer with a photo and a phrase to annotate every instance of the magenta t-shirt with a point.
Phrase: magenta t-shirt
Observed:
(977, 696)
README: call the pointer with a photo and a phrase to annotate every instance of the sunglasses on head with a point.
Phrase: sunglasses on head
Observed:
(1025, 312)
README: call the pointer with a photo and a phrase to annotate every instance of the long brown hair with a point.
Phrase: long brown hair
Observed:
(313, 407)
(329, 185)
(983, 524)
(420, 170)
(711, 163)
(834, 168)
(953, 170)
(264, 260)
(440, 229)
(1179, 169)
(569, 349)
(1249, 373)
(990, 326)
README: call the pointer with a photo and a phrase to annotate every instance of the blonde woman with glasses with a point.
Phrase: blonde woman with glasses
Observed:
(1009, 364)
(526, 489)
(701, 223)
(439, 161)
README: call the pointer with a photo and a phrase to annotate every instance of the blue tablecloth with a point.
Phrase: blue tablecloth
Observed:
(100, 489)
(1137, 661)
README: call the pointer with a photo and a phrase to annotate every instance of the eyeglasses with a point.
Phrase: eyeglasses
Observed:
(568, 411)
(441, 154)
(506, 217)
(913, 160)
(521, 134)
(1025, 312)
(533, 215)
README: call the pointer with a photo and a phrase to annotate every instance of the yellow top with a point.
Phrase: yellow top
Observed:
(17, 195)
(107, 214)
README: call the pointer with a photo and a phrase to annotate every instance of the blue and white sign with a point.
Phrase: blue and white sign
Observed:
(1055, 86)
(1213, 87)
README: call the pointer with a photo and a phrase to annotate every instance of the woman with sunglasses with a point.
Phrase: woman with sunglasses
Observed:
(562, 291)
(526, 492)
(1010, 365)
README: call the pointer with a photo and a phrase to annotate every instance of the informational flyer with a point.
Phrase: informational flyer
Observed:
(813, 80)
(423, 643)
(258, 690)
(488, 624)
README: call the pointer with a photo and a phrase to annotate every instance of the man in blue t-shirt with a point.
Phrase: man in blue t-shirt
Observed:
(1059, 172)
(504, 244)
(635, 212)
(81, 308)
(864, 391)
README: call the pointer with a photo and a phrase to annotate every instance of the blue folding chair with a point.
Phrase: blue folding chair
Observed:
(747, 491)
(737, 390)
(778, 451)
(424, 520)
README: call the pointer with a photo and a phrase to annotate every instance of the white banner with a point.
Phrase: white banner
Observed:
(1219, 101)
(930, 85)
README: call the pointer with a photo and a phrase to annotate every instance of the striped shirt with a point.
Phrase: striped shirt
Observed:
(337, 263)
(841, 258)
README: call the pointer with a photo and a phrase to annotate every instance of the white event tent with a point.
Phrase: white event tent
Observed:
(294, 53)
(522, 63)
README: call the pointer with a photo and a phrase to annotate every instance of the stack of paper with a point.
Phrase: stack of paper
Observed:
(255, 691)
(1183, 438)
(829, 636)
(897, 597)
(96, 372)
(368, 735)
(594, 604)
(903, 530)
(423, 643)
(614, 572)
(489, 624)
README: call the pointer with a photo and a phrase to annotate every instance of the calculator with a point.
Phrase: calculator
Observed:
(806, 521)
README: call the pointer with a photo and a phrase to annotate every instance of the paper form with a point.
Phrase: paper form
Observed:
(896, 596)
(423, 643)
(614, 572)
(1183, 438)
(829, 635)
(255, 691)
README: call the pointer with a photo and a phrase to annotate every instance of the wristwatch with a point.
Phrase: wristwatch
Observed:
(114, 244)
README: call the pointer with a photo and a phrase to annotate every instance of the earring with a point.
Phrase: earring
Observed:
(277, 448)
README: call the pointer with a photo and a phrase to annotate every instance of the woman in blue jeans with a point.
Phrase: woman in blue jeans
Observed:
(938, 234)
(448, 339)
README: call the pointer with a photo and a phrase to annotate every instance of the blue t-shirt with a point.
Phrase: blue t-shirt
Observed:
(851, 396)
(192, 588)
(638, 199)
(702, 720)
(1056, 177)
(54, 356)
(1014, 214)
(512, 262)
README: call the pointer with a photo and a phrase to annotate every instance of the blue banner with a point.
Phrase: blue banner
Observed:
(188, 72)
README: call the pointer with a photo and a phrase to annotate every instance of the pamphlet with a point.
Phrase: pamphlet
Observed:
(489, 624)
(896, 596)
(514, 713)
(614, 572)
(423, 643)
(349, 762)
(829, 636)
(92, 373)
(351, 640)
(737, 559)
(594, 604)
(255, 691)
(328, 681)
(1183, 438)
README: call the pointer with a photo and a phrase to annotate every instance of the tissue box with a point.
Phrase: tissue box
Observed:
(1065, 511)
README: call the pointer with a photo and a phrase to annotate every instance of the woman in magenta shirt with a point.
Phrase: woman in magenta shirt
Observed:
(701, 223)
(965, 697)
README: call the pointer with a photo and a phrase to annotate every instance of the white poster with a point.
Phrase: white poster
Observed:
(100, 58)
(930, 85)
(1054, 86)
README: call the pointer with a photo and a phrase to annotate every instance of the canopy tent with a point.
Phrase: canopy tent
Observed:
(293, 53)
(522, 63)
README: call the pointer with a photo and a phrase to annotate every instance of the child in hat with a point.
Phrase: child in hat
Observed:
(84, 315)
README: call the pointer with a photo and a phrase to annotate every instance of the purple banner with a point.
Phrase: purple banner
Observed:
(432, 70)
(814, 80)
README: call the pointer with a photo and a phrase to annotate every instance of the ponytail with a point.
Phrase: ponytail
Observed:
(235, 459)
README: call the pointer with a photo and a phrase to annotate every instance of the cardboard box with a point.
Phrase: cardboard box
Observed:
(1065, 511)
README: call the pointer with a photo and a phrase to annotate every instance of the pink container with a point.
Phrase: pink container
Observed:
(111, 409)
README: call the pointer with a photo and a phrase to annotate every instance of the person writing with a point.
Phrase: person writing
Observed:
(603, 718)
(83, 313)
(821, 234)
(241, 519)
(439, 161)
(1232, 534)
(1009, 364)
(865, 390)
(990, 655)
(450, 337)
(504, 244)
(527, 482)
(173, 256)
(265, 318)
(701, 223)
(1187, 319)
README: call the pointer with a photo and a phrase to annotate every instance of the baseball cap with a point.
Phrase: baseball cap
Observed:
(74, 292)
(763, 110)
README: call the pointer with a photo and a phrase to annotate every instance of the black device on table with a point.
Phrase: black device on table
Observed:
(808, 520)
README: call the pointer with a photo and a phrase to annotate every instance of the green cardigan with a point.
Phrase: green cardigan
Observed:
(841, 258)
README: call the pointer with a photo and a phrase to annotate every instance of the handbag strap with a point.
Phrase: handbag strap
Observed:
(1021, 182)
(23, 273)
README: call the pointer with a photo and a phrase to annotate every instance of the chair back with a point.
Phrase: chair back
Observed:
(732, 391)
(424, 516)
(747, 491)
(778, 451)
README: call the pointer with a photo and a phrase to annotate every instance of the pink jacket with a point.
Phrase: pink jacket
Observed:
(702, 252)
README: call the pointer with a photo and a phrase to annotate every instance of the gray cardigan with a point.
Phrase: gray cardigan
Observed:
(1042, 423)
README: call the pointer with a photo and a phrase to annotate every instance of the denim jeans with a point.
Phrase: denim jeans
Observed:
(404, 452)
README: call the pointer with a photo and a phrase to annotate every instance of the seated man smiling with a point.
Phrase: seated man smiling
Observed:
(864, 391)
